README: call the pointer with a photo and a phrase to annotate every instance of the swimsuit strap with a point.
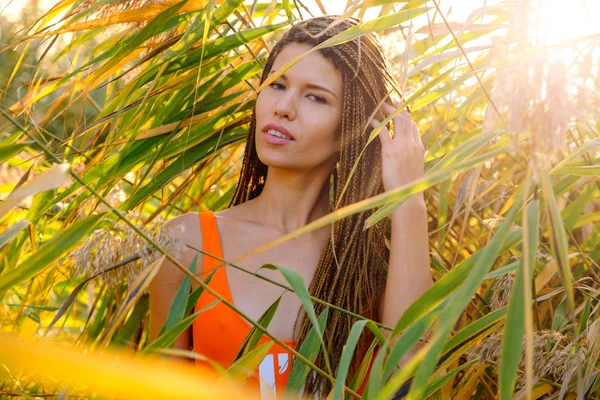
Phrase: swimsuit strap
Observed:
(211, 244)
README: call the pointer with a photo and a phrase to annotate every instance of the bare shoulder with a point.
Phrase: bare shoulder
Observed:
(185, 228)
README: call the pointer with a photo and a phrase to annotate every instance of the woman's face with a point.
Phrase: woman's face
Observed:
(306, 104)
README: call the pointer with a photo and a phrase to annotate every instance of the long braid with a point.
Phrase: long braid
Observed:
(354, 277)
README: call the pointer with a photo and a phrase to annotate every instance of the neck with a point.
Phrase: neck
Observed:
(291, 199)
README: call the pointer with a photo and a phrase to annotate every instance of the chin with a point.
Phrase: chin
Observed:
(275, 160)
(273, 157)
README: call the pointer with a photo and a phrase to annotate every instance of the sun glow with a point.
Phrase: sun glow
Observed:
(563, 26)
(551, 22)
(559, 20)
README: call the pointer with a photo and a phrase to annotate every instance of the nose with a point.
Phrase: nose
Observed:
(286, 106)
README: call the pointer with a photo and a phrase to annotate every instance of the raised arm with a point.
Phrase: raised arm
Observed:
(409, 274)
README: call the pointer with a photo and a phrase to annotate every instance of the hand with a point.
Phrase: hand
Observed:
(403, 156)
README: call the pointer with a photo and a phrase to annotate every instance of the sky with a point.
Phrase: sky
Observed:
(560, 19)
(557, 20)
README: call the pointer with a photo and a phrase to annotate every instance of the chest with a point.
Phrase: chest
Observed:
(254, 295)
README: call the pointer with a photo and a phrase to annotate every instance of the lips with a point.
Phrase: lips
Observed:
(278, 128)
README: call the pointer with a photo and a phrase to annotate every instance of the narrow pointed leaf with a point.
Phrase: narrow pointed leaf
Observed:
(167, 338)
(178, 307)
(64, 241)
(558, 239)
(309, 349)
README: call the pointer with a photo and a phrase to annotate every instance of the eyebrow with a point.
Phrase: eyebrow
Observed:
(310, 85)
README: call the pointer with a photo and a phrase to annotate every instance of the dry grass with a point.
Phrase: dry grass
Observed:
(556, 356)
(105, 248)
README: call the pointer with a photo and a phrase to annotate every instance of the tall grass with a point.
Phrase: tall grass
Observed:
(162, 93)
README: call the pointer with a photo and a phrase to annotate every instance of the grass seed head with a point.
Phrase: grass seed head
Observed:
(501, 290)
(105, 248)
(555, 355)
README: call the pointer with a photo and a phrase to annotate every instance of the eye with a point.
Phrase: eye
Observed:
(318, 99)
(277, 86)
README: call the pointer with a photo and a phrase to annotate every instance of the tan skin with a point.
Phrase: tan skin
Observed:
(295, 194)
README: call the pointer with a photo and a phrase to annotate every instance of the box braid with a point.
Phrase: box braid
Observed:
(354, 277)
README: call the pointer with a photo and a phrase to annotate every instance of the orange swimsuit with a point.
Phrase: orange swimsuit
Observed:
(219, 332)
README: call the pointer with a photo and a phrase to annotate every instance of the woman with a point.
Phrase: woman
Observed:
(308, 129)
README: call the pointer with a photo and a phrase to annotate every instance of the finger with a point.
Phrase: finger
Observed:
(388, 108)
(402, 123)
(416, 134)
(391, 108)
(384, 134)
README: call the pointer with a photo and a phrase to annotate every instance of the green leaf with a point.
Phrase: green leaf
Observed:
(473, 330)
(374, 25)
(429, 354)
(584, 319)
(167, 339)
(432, 94)
(308, 349)
(100, 316)
(448, 284)
(445, 378)
(161, 23)
(179, 305)
(409, 339)
(365, 367)
(134, 322)
(573, 211)
(245, 366)
(558, 239)
(9, 150)
(64, 241)
(198, 29)
(193, 298)
(220, 46)
(558, 322)
(420, 185)
(67, 303)
(578, 170)
(376, 373)
(254, 336)
(288, 11)
(503, 270)
(156, 25)
(168, 336)
(191, 157)
(9, 233)
(587, 146)
(516, 315)
(136, 289)
(296, 282)
(347, 352)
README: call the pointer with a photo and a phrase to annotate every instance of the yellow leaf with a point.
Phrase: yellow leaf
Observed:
(93, 80)
(466, 392)
(243, 368)
(112, 373)
(28, 327)
(540, 389)
(137, 15)
(547, 273)
(52, 178)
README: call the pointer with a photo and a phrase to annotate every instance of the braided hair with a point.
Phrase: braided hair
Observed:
(354, 277)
